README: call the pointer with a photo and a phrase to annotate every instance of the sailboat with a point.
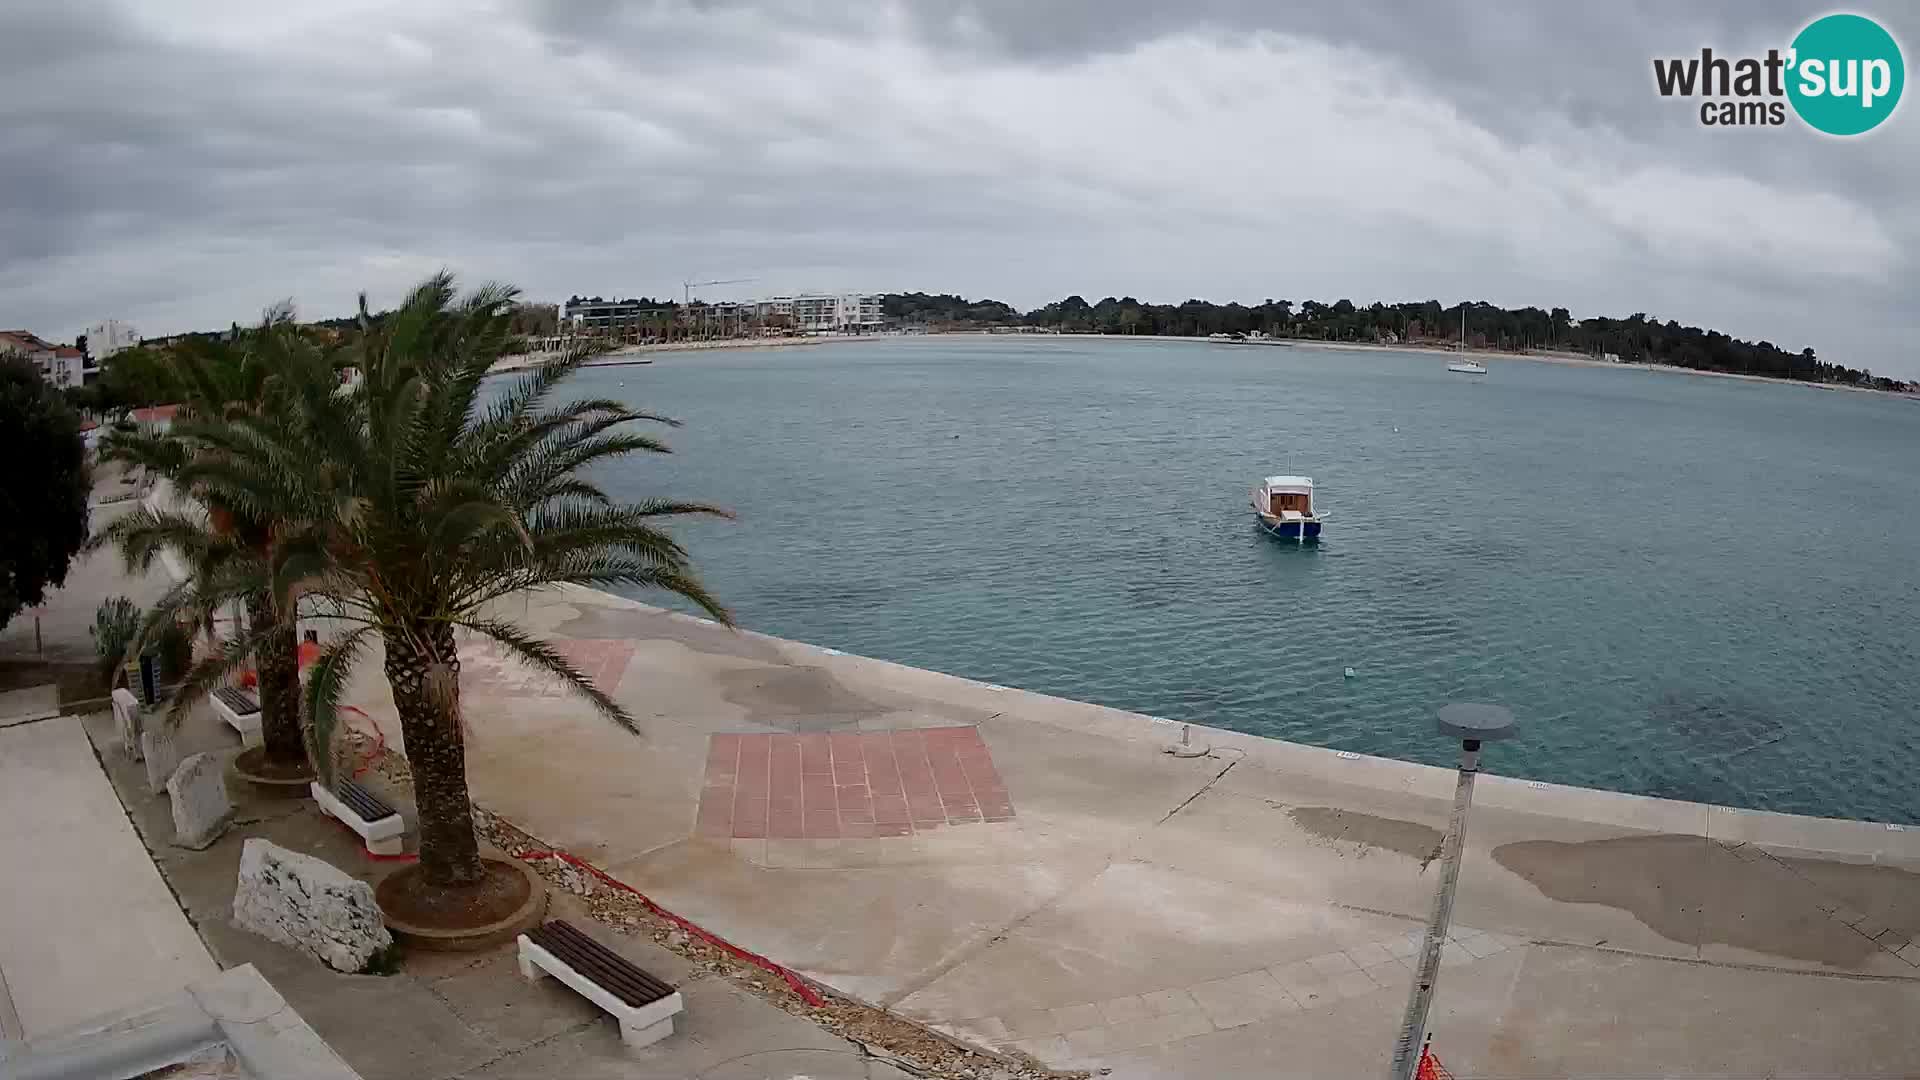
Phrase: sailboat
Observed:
(1464, 364)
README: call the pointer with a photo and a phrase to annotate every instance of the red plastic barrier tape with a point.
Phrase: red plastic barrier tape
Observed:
(799, 985)
(379, 748)
(1430, 1067)
(807, 993)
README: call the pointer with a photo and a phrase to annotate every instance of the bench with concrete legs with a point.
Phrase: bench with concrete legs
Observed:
(644, 1006)
(241, 711)
(362, 811)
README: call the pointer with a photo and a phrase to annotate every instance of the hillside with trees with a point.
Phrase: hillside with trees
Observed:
(944, 311)
(1639, 338)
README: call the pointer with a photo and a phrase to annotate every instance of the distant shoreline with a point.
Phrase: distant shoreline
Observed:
(1577, 360)
(1566, 358)
(629, 354)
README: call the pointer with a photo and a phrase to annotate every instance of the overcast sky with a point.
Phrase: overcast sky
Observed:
(182, 164)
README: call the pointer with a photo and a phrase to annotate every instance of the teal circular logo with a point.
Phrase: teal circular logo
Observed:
(1845, 74)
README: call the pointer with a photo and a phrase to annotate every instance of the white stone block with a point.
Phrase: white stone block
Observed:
(161, 751)
(309, 904)
(126, 717)
(639, 1026)
(201, 808)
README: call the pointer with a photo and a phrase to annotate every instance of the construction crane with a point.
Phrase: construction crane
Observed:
(686, 298)
(687, 287)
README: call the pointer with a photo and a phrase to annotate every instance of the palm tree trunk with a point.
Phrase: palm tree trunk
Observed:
(423, 668)
(278, 664)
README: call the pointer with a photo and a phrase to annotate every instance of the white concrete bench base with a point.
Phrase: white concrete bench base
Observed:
(382, 837)
(248, 726)
(642, 1026)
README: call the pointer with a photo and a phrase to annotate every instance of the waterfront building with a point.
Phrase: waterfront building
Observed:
(821, 313)
(807, 313)
(594, 315)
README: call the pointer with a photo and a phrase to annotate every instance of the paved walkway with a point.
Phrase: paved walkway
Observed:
(1243, 913)
(29, 705)
(464, 1016)
(86, 924)
(66, 617)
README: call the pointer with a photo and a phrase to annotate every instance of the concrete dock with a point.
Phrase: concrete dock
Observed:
(1038, 875)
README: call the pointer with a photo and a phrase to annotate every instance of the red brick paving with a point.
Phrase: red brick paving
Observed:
(602, 661)
(487, 665)
(849, 784)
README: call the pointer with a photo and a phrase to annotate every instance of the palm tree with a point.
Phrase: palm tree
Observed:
(216, 382)
(414, 500)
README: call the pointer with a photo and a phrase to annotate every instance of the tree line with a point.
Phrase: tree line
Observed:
(1639, 338)
(136, 377)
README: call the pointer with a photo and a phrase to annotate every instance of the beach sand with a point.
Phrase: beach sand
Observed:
(642, 354)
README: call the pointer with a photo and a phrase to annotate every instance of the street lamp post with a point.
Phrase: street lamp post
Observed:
(1472, 725)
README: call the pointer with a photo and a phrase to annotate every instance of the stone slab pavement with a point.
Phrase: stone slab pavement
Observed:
(29, 704)
(1243, 913)
(456, 1016)
(86, 924)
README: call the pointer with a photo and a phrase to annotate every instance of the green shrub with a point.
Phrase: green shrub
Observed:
(115, 624)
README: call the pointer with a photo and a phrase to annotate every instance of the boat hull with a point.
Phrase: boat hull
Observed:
(1289, 530)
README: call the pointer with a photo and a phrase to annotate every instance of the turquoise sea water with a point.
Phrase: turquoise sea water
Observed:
(1689, 587)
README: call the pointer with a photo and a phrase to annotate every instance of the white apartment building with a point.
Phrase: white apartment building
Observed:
(826, 312)
(105, 339)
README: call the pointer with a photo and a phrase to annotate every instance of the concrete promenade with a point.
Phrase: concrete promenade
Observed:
(1036, 874)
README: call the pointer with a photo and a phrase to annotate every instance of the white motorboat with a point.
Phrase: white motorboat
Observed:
(1284, 507)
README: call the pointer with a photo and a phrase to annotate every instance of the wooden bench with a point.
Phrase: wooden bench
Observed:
(644, 1006)
(362, 811)
(241, 711)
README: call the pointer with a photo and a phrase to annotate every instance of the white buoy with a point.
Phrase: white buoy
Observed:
(1350, 673)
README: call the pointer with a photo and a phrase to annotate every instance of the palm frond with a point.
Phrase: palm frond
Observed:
(542, 656)
(208, 672)
(326, 680)
(142, 535)
(158, 453)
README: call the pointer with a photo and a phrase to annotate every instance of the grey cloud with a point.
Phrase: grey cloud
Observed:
(612, 147)
(1517, 66)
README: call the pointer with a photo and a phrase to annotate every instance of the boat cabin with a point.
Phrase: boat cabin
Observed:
(1288, 495)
